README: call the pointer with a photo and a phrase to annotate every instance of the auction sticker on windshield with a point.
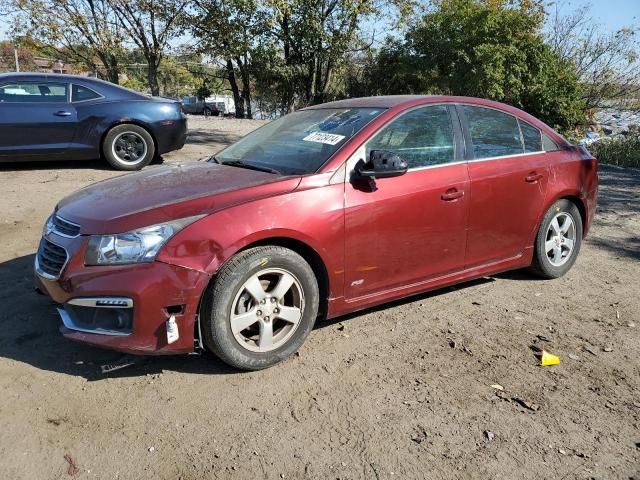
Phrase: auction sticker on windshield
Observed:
(321, 137)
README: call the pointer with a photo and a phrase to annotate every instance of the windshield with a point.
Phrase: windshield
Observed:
(298, 143)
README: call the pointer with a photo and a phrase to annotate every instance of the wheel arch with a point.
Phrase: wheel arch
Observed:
(575, 198)
(582, 208)
(303, 249)
(127, 122)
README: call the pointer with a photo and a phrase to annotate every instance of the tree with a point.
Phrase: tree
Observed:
(82, 31)
(608, 64)
(492, 49)
(151, 25)
(230, 30)
(7, 57)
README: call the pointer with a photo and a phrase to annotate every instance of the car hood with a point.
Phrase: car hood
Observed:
(162, 194)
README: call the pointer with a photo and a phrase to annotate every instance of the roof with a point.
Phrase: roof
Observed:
(107, 89)
(60, 76)
(402, 102)
(386, 101)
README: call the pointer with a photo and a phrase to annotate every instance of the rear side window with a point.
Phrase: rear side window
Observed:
(81, 94)
(531, 136)
(422, 137)
(493, 133)
(548, 144)
(33, 92)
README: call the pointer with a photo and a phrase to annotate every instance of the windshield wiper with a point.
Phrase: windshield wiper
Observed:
(250, 166)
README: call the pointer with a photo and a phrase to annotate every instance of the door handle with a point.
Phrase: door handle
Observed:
(533, 177)
(452, 194)
(62, 113)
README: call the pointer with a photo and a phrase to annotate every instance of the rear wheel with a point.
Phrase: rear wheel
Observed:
(128, 147)
(260, 308)
(558, 241)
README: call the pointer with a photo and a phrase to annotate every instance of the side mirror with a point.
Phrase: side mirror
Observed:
(381, 164)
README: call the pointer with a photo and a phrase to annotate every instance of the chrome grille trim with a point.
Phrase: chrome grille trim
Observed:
(63, 227)
(50, 259)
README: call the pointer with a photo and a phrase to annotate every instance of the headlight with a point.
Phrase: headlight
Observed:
(137, 246)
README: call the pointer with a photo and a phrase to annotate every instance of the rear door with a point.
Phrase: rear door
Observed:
(410, 228)
(509, 174)
(36, 119)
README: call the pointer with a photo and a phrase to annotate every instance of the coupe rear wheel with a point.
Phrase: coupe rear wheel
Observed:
(128, 147)
(260, 308)
(558, 240)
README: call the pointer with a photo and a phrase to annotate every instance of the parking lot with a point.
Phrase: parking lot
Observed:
(442, 385)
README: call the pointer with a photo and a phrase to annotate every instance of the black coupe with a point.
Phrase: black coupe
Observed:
(67, 117)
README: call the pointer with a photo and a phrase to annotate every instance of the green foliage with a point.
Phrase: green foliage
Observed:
(203, 91)
(488, 49)
(623, 151)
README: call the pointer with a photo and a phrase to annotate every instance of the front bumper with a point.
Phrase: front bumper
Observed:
(149, 294)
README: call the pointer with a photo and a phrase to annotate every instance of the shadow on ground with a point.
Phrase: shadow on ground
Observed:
(619, 207)
(63, 165)
(30, 326)
(208, 137)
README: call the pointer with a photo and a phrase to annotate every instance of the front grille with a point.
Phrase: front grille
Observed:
(50, 259)
(65, 227)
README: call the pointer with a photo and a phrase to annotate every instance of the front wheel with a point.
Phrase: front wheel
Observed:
(260, 308)
(558, 240)
(128, 147)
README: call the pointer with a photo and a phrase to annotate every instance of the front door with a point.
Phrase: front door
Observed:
(36, 118)
(509, 175)
(409, 228)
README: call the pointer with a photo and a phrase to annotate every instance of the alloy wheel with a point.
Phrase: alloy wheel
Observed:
(560, 239)
(267, 310)
(129, 148)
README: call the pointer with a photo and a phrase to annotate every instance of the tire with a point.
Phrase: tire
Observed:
(207, 112)
(555, 254)
(235, 298)
(128, 147)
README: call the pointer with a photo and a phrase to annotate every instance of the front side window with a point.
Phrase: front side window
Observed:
(493, 133)
(423, 137)
(36, 92)
(81, 94)
(299, 143)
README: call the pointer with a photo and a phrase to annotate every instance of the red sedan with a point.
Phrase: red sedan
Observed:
(328, 210)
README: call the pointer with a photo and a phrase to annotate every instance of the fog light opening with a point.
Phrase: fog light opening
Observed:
(175, 309)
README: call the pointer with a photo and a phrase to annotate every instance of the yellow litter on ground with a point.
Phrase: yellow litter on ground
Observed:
(548, 359)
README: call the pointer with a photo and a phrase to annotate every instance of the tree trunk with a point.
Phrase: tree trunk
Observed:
(286, 97)
(113, 75)
(110, 64)
(237, 98)
(152, 74)
(246, 86)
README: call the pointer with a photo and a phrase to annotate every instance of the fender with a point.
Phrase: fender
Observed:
(314, 217)
(566, 193)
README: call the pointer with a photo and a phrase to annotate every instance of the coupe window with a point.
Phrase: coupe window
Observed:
(298, 143)
(493, 133)
(422, 137)
(81, 94)
(35, 92)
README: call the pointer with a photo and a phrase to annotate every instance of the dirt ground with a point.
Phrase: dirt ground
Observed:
(401, 391)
